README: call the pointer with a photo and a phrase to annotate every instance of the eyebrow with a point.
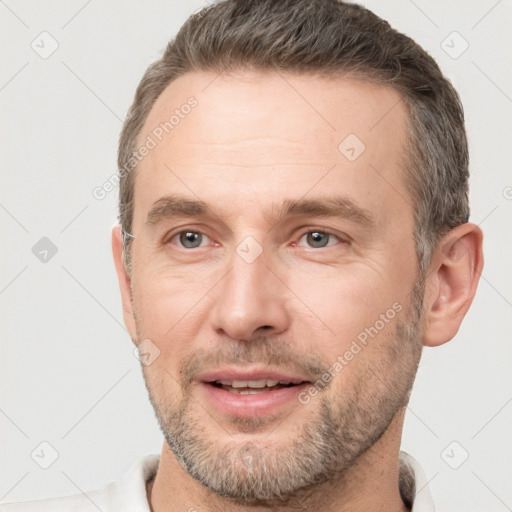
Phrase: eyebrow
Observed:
(330, 206)
(173, 206)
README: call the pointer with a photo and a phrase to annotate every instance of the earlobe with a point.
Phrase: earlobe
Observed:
(123, 278)
(451, 282)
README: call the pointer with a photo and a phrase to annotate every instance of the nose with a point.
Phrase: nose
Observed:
(250, 300)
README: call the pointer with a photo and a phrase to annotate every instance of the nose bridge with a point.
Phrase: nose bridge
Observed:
(250, 296)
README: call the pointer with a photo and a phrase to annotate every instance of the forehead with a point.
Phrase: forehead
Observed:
(272, 135)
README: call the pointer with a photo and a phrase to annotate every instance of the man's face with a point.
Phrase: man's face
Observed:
(301, 268)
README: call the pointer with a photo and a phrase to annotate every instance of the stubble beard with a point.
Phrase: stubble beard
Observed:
(343, 429)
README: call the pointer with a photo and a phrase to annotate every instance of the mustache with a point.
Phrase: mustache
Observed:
(263, 350)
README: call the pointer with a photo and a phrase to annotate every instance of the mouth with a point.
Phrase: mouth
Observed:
(253, 387)
(246, 394)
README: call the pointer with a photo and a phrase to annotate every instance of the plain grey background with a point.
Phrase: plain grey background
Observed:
(68, 374)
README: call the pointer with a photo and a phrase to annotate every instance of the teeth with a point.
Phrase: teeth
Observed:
(247, 392)
(256, 384)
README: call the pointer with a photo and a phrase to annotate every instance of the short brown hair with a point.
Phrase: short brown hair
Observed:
(326, 38)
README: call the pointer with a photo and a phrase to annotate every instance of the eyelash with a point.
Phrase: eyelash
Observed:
(343, 240)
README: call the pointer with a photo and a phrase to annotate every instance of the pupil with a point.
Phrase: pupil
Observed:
(318, 239)
(190, 238)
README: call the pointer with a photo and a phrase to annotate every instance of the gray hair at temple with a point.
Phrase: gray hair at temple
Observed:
(323, 38)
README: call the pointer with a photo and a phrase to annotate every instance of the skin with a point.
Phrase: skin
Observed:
(255, 139)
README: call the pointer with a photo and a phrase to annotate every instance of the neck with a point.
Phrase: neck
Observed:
(370, 484)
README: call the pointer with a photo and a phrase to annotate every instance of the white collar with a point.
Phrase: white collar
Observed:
(129, 494)
(413, 484)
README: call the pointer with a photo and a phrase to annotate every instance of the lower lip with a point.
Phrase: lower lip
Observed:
(251, 406)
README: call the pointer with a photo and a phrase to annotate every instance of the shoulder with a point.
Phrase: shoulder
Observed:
(74, 503)
(126, 495)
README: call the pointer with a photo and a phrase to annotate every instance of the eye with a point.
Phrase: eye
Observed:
(190, 239)
(318, 239)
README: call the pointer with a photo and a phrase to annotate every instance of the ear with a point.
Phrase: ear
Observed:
(124, 281)
(451, 282)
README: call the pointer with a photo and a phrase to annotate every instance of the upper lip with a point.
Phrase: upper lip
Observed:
(239, 374)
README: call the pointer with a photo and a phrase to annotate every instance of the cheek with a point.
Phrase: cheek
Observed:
(347, 299)
(165, 299)
(163, 384)
(172, 310)
(351, 320)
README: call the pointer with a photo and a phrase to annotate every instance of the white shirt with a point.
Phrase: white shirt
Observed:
(129, 494)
